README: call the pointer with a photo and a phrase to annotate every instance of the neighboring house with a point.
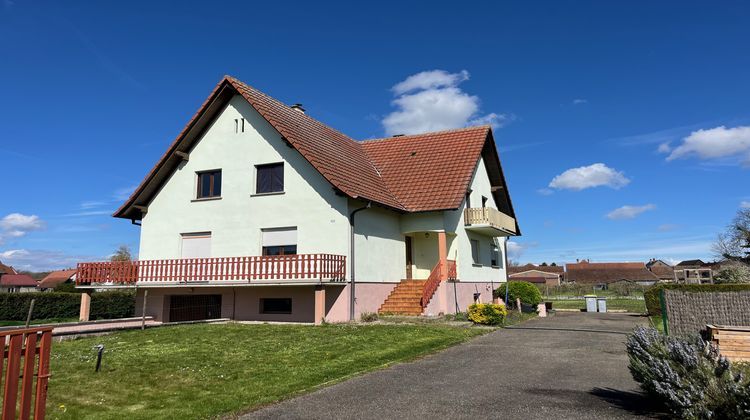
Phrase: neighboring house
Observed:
(600, 275)
(57, 278)
(17, 283)
(662, 270)
(259, 212)
(543, 274)
(5, 269)
(693, 272)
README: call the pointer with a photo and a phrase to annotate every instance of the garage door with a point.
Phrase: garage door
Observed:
(194, 307)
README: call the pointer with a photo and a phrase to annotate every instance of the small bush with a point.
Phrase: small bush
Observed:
(487, 313)
(368, 317)
(734, 273)
(67, 288)
(527, 292)
(651, 295)
(688, 376)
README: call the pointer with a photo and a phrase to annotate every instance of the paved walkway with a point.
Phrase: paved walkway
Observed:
(569, 366)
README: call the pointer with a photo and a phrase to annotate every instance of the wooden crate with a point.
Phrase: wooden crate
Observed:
(732, 342)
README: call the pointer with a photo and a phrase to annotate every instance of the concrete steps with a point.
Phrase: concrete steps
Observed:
(405, 299)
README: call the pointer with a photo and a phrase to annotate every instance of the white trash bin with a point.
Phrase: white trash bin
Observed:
(590, 303)
(601, 304)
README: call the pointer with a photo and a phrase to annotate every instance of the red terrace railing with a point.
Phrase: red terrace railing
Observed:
(20, 348)
(433, 281)
(197, 270)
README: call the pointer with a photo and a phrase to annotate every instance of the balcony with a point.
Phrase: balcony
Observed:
(214, 271)
(489, 221)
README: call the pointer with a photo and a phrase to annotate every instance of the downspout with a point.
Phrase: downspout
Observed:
(505, 256)
(352, 297)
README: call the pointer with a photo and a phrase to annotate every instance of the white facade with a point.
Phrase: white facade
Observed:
(236, 220)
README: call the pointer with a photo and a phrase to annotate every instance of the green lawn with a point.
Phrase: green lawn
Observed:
(37, 321)
(630, 305)
(198, 371)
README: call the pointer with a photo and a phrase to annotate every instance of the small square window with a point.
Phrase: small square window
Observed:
(209, 184)
(276, 305)
(269, 178)
(474, 250)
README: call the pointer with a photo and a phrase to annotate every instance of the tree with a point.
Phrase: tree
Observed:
(733, 272)
(122, 254)
(734, 242)
(543, 264)
(554, 264)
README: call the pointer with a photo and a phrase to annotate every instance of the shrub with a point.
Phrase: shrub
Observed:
(368, 317)
(651, 295)
(688, 376)
(67, 288)
(527, 292)
(733, 274)
(104, 305)
(487, 313)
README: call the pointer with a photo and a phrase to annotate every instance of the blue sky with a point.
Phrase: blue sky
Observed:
(598, 105)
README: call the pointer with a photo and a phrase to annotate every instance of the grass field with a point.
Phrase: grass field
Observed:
(630, 305)
(198, 371)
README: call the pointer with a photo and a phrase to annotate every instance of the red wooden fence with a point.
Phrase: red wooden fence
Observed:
(433, 281)
(276, 267)
(21, 347)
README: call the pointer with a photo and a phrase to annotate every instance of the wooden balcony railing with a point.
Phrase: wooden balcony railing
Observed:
(203, 270)
(489, 216)
(433, 281)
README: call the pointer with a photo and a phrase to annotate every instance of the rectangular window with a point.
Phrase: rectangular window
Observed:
(484, 201)
(474, 250)
(281, 241)
(269, 178)
(196, 245)
(209, 184)
(276, 305)
(494, 254)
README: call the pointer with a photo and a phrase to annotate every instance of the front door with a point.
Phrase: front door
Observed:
(409, 262)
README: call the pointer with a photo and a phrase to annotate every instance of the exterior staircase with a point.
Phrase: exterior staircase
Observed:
(405, 299)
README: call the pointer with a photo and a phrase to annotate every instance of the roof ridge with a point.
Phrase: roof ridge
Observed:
(429, 133)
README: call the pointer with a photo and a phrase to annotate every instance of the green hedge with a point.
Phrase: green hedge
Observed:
(104, 305)
(527, 292)
(651, 295)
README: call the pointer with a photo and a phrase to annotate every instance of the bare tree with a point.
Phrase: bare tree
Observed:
(734, 242)
(122, 254)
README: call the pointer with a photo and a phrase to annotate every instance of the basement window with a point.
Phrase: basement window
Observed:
(209, 184)
(276, 305)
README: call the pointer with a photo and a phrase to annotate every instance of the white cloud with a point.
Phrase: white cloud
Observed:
(515, 250)
(629, 212)
(41, 260)
(745, 204)
(432, 101)
(16, 225)
(430, 80)
(89, 213)
(664, 148)
(580, 101)
(667, 227)
(715, 143)
(124, 193)
(596, 175)
(545, 191)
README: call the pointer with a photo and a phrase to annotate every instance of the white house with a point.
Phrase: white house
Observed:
(259, 212)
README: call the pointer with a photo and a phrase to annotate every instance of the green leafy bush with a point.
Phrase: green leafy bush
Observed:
(487, 313)
(368, 317)
(67, 288)
(651, 295)
(688, 376)
(527, 292)
(104, 305)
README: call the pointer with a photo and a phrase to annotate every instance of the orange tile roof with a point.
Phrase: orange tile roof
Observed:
(56, 277)
(17, 280)
(429, 171)
(423, 172)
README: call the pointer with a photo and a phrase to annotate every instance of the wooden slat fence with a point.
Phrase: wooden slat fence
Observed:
(195, 270)
(24, 368)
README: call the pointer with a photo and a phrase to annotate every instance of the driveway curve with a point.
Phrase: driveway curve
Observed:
(570, 365)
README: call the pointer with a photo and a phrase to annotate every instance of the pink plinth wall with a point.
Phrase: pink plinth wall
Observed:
(445, 298)
(243, 303)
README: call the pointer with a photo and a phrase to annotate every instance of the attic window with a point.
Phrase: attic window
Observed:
(209, 184)
(239, 125)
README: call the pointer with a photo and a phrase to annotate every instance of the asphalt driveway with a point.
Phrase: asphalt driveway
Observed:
(571, 365)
